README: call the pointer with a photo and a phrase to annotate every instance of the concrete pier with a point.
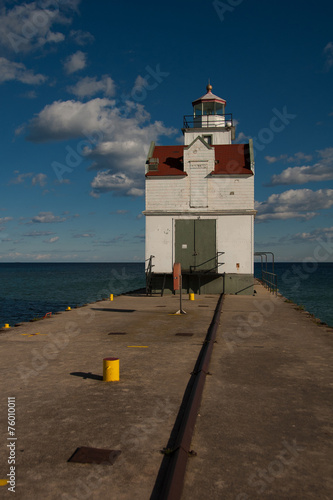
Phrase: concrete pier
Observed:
(265, 423)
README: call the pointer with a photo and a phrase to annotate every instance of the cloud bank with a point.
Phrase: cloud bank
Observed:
(300, 204)
(116, 137)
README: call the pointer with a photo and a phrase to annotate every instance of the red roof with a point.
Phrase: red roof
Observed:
(230, 159)
(170, 160)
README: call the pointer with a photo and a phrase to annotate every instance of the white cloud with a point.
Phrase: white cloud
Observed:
(135, 192)
(20, 178)
(84, 235)
(294, 204)
(320, 171)
(88, 86)
(64, 120)
(289, 159)
(36, 179)
(140, 83)
(39, 179)
(52, 240)
(47, 218)
(274, 159)
(28, 26)
(75, 62)
(3, 220)
(117, 139)
(10, 70)
(107, 181)
(321, 233)
(241, 137)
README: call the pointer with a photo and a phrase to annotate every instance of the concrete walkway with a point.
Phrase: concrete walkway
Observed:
(53, 369)
(266, 422)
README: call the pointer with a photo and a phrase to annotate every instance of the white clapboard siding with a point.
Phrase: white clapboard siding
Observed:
(199, 185)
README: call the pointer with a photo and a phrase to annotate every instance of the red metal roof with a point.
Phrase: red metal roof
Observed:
(208, 98)
(230, 159)
(170, 160)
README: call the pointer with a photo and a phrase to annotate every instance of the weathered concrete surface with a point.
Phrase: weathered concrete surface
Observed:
(265, 423)
(266, 420)
(53, 368)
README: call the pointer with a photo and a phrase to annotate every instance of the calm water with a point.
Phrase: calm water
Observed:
(306, 284)
(31, 290)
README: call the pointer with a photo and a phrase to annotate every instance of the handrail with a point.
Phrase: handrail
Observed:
(270, 281)
(149, 273)
(218, 264)
(191, 121)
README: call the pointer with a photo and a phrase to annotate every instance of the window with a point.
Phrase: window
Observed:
(198, 109)
(208, 139)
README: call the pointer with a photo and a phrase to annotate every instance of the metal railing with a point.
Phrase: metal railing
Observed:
(270, 281)
(149, 275)
(204, 271)
(191, 121)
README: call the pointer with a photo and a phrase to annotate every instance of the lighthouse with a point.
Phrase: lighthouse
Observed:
(200, 205)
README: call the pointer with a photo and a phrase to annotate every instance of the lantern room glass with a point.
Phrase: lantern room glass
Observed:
(198, 109)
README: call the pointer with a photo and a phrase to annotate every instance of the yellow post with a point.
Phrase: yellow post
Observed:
(111, 296)
(110, 369)
(191, 296)
(7, 325)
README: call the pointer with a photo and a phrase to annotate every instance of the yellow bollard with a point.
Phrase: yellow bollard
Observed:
(110, 369)
(111, 296)
(191, 296)
(7, 325)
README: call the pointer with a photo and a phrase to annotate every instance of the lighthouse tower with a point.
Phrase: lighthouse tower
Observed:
(200, 205)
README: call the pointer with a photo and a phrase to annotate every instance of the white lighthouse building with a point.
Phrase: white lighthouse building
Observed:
(200, 205)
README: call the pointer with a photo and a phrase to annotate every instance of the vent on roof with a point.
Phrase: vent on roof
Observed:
(153, 164)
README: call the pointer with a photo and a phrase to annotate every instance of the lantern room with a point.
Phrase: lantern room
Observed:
(210, 118)
(209, 110)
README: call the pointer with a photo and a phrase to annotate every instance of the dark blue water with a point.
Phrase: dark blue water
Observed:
(29, 291)
(309, 284)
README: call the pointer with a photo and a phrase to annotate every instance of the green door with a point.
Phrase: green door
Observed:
(195, 244)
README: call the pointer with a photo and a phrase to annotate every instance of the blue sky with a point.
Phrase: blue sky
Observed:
(85, 86)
